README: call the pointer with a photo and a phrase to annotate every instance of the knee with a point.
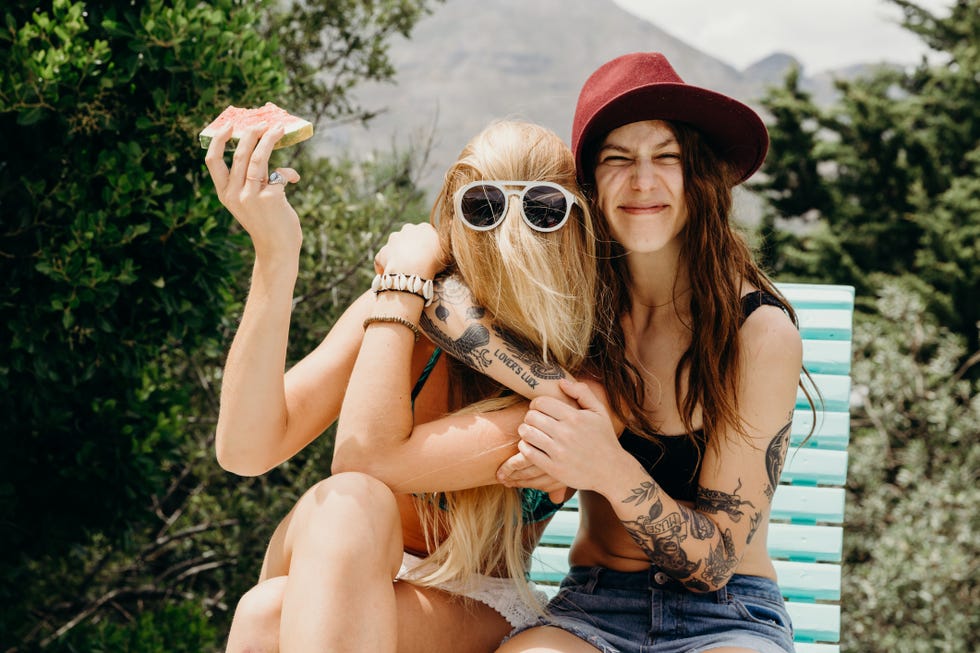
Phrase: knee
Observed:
(351, 504)
(258, 613)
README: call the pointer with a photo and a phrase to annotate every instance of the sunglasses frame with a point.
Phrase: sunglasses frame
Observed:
(570, 200)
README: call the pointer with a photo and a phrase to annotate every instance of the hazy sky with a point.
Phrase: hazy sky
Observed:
(821, 34)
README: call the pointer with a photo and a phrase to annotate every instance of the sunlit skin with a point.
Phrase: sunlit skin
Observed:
(641, 186)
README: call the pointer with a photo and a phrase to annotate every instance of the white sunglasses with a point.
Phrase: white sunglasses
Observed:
(545, 206)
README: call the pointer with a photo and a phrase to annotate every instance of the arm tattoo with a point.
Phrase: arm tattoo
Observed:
(776, 456)
(646, 491)
(715, 501)
(471, 347)
(451, 294)
(721, 560)
(662, 536)
(754, 521)
(537, 368)
(661, 539)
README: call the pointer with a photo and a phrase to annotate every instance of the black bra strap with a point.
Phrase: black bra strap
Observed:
(756, 299)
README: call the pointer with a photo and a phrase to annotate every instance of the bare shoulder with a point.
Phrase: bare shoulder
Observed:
(770, 329)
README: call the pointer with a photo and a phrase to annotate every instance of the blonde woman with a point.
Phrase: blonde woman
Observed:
(410, 545)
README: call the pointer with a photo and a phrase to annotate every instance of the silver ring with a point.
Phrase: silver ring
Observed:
(276, 178)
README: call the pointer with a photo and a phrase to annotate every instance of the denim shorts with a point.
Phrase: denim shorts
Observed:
(647, 611)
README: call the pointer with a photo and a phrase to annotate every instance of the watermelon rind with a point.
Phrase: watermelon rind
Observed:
(296, 129)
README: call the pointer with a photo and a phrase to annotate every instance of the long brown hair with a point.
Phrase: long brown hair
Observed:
(723, 262)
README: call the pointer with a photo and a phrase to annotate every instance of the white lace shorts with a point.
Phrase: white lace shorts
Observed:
(498, 593)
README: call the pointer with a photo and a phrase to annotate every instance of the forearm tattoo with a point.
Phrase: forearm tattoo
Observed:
(776, 456)
(715, 501)
(469, 348)
(472, 346)
(526, 364)
(662, 537)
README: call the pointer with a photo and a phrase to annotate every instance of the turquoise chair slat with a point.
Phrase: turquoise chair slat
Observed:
(818, 323)
(816, 295)
(835, 391)
(808, 505)
(805, 542)
(549, 565)
(805, 538)
(833, 429)
(808, 466)
(827, 356)
(814, 622)
(561, 529)
(808, 581)
(809, 647)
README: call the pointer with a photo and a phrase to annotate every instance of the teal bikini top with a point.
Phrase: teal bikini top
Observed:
(535, 504)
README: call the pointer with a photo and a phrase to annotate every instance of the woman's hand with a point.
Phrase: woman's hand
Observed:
(518, 471)
(574, 446)
(261, 208)
(413, 249)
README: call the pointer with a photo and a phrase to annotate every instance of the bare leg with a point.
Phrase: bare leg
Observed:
(432, 621)
(546, 639)
(341, 548)
(255, 627)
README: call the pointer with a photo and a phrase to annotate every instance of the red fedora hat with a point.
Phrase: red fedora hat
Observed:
(644, 86)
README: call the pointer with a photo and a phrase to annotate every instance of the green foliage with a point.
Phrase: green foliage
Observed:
(177, 627)
(885, 180)
(911, 547)
(881, 191)
(111, 255)
(123, 279)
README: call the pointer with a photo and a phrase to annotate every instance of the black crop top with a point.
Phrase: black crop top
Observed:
(674, 461)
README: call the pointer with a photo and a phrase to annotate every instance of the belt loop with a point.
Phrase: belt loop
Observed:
(721, 594)
(594, 574)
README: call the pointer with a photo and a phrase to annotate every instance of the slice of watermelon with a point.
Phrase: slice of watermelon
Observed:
(297, 129)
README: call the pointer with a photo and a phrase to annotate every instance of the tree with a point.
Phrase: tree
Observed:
(123, 275)
(910, 541)
(896, 162)
(894, 209)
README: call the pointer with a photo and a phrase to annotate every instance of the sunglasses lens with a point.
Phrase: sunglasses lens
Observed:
(483, 206)
(545, 207)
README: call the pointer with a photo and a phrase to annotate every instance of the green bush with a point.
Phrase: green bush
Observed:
(123, 279)
(911, 547)
(113, 260)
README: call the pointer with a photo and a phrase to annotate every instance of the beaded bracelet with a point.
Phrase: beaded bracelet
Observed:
(392, 319)
(410, 283)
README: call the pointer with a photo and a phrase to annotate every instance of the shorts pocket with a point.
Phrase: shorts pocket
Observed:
(762, 611)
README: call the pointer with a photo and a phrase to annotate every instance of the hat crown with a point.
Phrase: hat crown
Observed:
(645, 86)
(616, 78)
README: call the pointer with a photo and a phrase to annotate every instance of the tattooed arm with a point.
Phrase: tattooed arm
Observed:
(704, 544)
(463, 329)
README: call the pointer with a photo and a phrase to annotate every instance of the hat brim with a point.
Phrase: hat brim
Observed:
(734, 131)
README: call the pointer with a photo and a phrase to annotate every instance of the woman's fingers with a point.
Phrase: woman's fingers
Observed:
(241, 161)
(215, 158)
(258, 162)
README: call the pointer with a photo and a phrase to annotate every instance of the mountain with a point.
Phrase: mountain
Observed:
(473, 61)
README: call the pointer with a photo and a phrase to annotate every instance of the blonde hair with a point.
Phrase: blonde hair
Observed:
(541, 288)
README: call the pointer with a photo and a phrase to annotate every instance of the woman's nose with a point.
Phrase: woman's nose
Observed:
(644, 175)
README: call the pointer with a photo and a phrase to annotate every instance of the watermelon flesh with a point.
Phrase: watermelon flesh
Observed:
(297, 129)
